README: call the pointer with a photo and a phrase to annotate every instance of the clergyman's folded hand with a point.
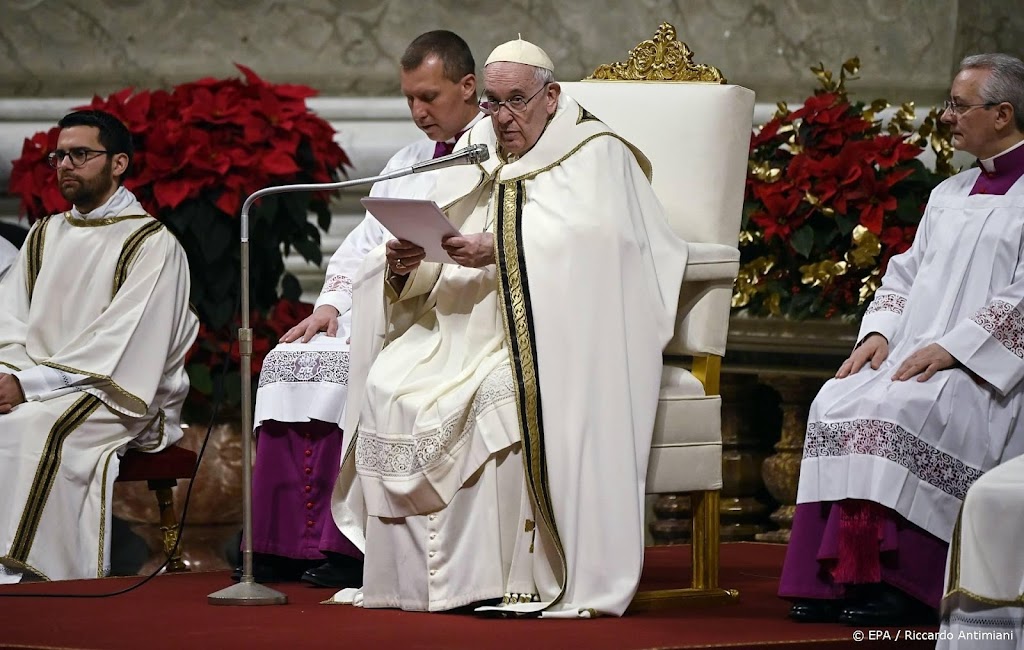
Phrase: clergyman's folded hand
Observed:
(874, 349)
(10, 393)
(323, 319)
(924, 363)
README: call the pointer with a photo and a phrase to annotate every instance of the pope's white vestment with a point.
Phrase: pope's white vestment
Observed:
(499, 418)
(984, 602)
(916, 447)
(96, 324)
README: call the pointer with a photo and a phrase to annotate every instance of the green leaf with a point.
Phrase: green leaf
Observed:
(290, 287)
(846, 223)
(823, 237)
(215, 241)
(296, 206)
(309, 250)
(802, 240)
(323, 215)
(199, 377)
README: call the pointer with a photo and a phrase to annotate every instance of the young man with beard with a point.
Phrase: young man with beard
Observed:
(300, 401)
(93, 334)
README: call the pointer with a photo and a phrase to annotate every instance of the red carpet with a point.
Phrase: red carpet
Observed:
(171, 612)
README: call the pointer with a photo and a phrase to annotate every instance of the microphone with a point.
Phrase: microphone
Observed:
(471, 155)
(248, 591)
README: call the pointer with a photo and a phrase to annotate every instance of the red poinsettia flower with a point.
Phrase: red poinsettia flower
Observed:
(200, 150)
(839, 170)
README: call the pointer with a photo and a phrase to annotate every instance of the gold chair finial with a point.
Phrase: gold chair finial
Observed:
(662, 58)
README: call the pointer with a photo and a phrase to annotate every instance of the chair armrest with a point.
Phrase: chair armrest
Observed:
(702, 320)
(710, 262)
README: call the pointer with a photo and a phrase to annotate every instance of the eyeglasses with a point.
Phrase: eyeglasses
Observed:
(514, 105)
(960, 109)
(79, 156)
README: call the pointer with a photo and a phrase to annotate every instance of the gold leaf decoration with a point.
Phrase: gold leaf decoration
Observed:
(662, 58)
(850, 67)
(822, 273)
(749, 279)
(865, 250)
(764, 172)
(868, 286)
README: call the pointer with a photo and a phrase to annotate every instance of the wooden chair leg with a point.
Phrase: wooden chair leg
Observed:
(168, 524)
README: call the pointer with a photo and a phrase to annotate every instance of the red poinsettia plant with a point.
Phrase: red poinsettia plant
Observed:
(200, 149)
(831, 195)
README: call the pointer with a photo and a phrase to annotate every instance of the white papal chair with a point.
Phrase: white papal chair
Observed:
(695, 129)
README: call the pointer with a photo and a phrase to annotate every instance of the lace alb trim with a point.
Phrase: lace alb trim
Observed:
(383, 456)
(887, 302)
(338, 283)
(985, 621)
(1005, 323)
(313, 366)
(894, 443)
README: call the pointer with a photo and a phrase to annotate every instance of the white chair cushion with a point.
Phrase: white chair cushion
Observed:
(686, 451)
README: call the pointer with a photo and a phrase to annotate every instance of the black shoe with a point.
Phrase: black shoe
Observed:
(888, 607)
(338, 572)
(813, 610)
(273, 568)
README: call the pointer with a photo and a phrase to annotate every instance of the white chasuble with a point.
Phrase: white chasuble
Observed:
(499, 419)
(912, 446)
(101, 300)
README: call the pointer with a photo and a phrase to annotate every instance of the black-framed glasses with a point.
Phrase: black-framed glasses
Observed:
(79, 156)
(960, 109)
(515, 105)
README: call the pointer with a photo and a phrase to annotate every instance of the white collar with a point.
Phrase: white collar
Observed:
(118, 202)
(989, 164)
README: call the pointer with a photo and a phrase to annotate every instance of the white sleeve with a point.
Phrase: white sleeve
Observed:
(991, 342)
(40, 383)
(884, 313)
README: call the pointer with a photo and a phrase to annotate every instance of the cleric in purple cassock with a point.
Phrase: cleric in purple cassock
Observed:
(931, 396)
(303, 385)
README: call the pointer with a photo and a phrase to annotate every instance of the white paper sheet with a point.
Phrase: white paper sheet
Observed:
(415, 220)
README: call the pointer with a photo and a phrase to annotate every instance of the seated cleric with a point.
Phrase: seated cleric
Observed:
(94, 327)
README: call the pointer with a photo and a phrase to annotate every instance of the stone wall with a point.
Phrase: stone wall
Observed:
(908, 48)
(56, 53)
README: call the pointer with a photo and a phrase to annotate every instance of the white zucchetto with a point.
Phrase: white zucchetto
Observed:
(520, 51)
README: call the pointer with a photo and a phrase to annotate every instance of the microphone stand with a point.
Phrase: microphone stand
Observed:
(247, 591)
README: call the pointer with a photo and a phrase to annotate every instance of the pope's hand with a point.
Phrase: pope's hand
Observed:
(875, 349)
(323, 319)
(924, 363)
(10, 393)
(403, 256)
(474, 250)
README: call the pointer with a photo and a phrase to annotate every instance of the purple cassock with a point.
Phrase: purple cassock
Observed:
(837, 544)
(293, 477)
